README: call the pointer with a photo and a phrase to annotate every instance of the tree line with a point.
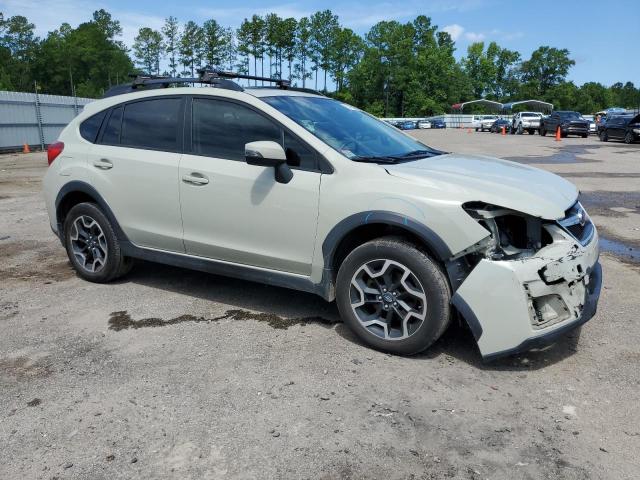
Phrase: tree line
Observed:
(395, 69)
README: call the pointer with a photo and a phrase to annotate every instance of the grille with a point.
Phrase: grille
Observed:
(578, 224)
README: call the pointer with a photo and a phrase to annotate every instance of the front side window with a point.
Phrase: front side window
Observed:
(151, 124)
(220, 129)
(352, 132)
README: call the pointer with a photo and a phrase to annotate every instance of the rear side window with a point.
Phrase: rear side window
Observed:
(221, 129)
(91, 126)
(151, 124)
(111, 135)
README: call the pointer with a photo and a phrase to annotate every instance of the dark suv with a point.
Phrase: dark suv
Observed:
(570, 123)
(621, 127)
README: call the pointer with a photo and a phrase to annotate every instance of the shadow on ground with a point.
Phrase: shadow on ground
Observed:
(281, 308)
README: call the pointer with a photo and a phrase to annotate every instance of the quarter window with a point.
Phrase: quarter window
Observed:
(151, 124)
(91, 126)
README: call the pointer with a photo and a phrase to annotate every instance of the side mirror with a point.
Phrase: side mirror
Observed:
(269, 154)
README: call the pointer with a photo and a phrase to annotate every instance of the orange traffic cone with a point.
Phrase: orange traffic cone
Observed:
(504, 130)
(558, 135)
(25, 148)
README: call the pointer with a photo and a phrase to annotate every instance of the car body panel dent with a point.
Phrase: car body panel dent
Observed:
(518, 301)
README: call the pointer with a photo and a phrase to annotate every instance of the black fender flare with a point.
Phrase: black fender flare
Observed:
(83, 187)
(419, 229)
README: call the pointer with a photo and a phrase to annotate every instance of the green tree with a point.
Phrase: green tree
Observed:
(303, 49)
(171, 32)
(148, 48)
(216, 40)
(346, 51)
(324, 27)
(191, 47)
(86, 60)
(546, 68)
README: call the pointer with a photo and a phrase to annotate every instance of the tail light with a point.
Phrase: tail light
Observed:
(53, 151)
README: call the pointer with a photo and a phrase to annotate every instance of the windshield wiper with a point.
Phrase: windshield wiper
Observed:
(419, 154)
(388, 160)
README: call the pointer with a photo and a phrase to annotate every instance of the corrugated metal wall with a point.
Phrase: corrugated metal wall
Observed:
(35, 119)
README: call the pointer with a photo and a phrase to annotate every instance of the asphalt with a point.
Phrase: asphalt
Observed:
(169, 373)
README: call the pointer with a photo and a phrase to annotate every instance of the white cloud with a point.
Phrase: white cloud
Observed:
(474, 37)
(454, 30)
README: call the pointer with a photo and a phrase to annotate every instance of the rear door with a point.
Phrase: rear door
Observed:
(134, 166)
(237, 212)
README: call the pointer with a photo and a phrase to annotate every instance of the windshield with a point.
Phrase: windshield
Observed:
(352, 132)
(527, 114)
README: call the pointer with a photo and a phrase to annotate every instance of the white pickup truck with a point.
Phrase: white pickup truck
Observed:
(529, 121)
(483, 122)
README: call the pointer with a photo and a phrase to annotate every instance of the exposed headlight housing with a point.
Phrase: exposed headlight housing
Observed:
(512, 234)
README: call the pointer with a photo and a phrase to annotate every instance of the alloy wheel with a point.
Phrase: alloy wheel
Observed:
(388, 299)
(88, 244)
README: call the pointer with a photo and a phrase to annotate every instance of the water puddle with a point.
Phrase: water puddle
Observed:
(626, 253)
(123, 321)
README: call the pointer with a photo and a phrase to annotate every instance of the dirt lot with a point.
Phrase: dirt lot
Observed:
(176, 374)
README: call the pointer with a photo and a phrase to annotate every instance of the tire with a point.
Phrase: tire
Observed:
(425, 291)
(563, 134)
(477, 129)
(531, 131)
(604, 137)
(628, 138)
(519, 130)
(87, 223)
(543, 132)
(585, 135)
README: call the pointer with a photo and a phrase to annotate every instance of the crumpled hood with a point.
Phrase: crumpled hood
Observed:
(492, 180)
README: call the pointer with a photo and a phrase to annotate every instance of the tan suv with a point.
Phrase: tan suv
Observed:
(294, 189)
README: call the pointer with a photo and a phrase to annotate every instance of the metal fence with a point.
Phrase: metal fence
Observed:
(35, 119)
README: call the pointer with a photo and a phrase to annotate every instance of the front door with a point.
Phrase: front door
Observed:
(236, 212)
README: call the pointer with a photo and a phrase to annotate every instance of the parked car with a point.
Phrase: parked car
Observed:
(496, 127)
(621, 127)
(438, 123)
(570, 123)
(424, 124)
(483, 122)
(297, 190)
(526, 121)
(407, 125)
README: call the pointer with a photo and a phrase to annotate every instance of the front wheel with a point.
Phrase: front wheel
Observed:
(628, 138)
(393, 296)
(92, 245)
(543, 132)
(604, 137)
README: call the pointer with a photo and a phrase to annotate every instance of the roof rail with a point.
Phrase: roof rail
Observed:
(207, 75)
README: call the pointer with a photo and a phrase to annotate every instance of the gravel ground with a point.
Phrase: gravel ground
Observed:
(176, 374)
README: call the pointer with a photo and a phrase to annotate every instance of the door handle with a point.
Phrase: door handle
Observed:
(103, 164)
(195, 179)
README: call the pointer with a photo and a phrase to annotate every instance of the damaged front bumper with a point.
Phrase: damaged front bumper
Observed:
(516, 305)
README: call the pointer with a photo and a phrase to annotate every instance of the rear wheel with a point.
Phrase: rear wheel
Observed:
(543, 132)
(520, 130)
(585, 135)
(628, 138)
(531, 131)
(92, 246)
(604, 137)
(393, 296)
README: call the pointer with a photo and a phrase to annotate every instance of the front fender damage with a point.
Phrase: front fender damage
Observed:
(511, 305)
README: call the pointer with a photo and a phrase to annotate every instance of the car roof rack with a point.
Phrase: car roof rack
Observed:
(206, 76)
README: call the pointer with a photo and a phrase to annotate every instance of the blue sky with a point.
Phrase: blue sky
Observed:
(601, 36)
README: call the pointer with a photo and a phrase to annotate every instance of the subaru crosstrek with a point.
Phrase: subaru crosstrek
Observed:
(297, 190)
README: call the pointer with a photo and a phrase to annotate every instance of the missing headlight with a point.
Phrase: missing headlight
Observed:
(512, 234)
